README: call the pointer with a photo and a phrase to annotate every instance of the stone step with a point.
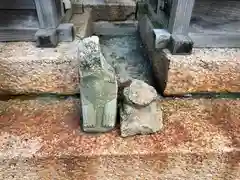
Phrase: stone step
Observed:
(41, 139)
(108, 10)
(205, 70)
(27, 69)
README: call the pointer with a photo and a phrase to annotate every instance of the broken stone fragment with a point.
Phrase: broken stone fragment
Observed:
(145, 120)
(138, 113)
(140, 93)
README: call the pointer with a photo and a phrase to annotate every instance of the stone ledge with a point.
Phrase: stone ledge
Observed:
(42, 138)
(27, 69)
(115, 28)
(206, 70)
(113, 12)
(109, 10)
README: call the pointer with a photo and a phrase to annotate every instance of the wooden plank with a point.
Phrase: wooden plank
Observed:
(181, 12)
(219, 40)
(49, 14)
(15, 34)
(17, 4)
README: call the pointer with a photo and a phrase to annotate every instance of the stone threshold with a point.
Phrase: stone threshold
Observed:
(41, 138)
(26, 69)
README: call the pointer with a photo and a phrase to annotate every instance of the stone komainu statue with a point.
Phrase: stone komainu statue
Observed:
(98, 87)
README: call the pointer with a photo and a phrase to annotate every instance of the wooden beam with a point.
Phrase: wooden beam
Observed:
(180, 16)
(218, 40)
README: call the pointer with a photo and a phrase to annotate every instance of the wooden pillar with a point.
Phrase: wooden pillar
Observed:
(49, 13)
(180, 16)
(178, 26)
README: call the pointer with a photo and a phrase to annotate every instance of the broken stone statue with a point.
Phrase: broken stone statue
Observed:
(139, 112)
(98, 87)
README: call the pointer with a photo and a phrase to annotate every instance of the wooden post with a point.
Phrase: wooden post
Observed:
(50, 13)
(178, 26)
(180, 16)
(49, 16)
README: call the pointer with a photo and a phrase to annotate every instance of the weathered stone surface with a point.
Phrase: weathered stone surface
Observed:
(125, 54)
(112, 10)
(27, 69)
(140, 93)
(180, 44)
(115, 28)
(123, 78)
(145, 120)
(83, 23)
(162, 38)
(98, 87)
(206, 70)
(40, 139)
(138, 112)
